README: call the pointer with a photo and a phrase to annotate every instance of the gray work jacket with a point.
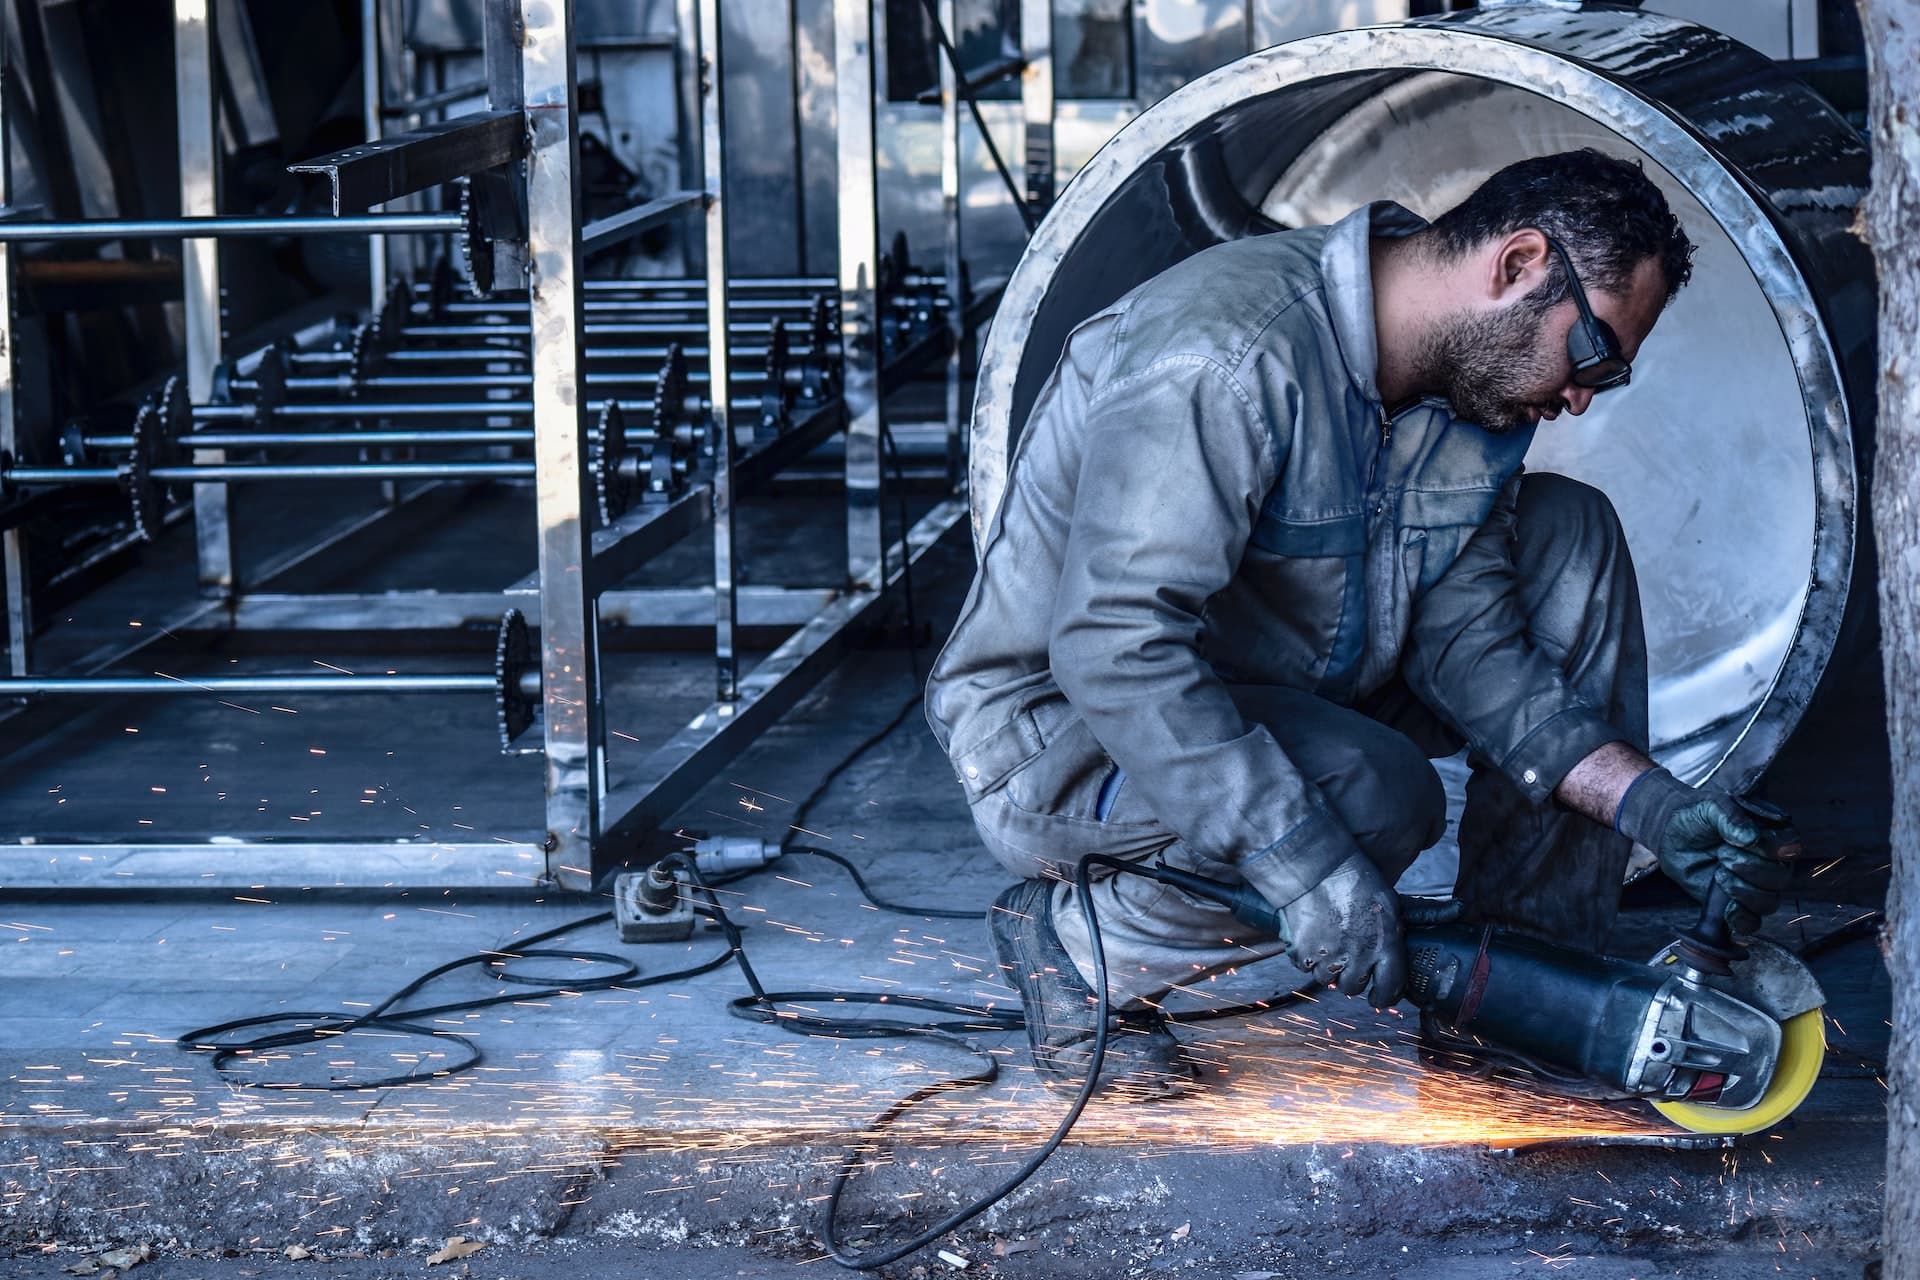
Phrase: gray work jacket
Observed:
(1208, 490)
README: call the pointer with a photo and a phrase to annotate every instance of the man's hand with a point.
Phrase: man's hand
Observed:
(1705, 837)
(1346, 932)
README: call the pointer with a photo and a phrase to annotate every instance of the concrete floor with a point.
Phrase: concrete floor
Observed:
(645, 1119)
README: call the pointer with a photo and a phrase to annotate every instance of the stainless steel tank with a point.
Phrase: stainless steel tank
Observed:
(1731, 458)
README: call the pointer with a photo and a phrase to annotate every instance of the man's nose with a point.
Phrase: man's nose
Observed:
(1577, 398)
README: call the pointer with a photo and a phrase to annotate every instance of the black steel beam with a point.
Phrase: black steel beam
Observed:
(375, 172)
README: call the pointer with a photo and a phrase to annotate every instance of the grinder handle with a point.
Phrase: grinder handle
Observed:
(1713, 928)
(1777, 837)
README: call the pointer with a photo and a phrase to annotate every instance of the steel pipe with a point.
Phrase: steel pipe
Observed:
(1737, 492)
(737, 285)
(352, 439)
(495, 381)
(243, 472)
(486, 355)
(415, 409)
(95, 686)
(224, 227)
(596, 329)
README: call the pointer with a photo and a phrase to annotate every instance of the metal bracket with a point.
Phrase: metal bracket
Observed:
(375, 172)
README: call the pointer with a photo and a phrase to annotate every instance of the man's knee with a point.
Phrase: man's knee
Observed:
(1558, 516)
(1387, 794)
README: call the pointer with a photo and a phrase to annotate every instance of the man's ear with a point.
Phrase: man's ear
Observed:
(1517, 265)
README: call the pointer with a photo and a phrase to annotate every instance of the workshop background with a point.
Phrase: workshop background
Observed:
(387, 583)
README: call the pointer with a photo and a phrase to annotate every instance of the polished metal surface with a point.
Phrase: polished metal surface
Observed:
(572, 714)
(373, 115)
(13, 545)
(1092, 48)
(199, 135)
(853, 25)
(1730, 459)
(950, 178)
(713, 170)
(765, 225)
(628, 223)
(817, 133)
(1036, 104)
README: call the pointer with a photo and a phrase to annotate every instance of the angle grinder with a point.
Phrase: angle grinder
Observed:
(1721, 1037)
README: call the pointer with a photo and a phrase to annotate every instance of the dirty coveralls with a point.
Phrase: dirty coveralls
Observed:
(1229, 608)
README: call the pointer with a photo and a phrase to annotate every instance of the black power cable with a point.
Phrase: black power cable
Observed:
(966, 1213)
(314, 1027)
(790, 1011)
(860, 881)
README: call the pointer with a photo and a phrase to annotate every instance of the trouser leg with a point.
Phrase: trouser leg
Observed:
(1543, 869)
(1378, 782)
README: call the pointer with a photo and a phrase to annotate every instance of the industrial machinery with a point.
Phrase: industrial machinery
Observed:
(497, 215)
(540, 316)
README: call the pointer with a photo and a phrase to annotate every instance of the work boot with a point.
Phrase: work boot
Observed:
(1142, 1058)
(1442, 1048)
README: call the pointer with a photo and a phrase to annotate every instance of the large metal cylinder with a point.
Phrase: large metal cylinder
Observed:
(1731, 458)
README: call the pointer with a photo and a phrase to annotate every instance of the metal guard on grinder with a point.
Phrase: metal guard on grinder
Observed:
(1661, 1030)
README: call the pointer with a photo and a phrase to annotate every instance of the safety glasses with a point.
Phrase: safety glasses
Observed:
(1592, 346)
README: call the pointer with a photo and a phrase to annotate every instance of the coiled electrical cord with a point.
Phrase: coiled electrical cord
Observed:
(318, 1026)
(773, 1008)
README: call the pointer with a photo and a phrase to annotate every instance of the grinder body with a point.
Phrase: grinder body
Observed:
(1659, 1030)
(1720, 1038)
(1578, 1011)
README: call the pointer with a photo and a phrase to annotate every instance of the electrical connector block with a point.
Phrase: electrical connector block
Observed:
(652, 906)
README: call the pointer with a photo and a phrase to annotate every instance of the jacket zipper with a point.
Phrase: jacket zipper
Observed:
(1386, 441)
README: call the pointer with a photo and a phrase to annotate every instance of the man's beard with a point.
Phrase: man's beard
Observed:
(1488, 365)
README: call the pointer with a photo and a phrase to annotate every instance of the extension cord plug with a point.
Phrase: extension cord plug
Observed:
(724, 855)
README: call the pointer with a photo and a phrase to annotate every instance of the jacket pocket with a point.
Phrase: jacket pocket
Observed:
(985, 767)
(1067, 777)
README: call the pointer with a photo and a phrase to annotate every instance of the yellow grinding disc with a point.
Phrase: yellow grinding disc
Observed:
(1803, 1049)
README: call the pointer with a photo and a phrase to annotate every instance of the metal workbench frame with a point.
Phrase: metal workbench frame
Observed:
(593, 822)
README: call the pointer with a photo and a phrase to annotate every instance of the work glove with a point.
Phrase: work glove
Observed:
(1704, 837)
(1345, 931)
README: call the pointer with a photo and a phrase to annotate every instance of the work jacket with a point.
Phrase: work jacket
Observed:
(1209, 490)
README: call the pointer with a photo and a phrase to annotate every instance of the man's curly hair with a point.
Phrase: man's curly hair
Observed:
(1604, 210)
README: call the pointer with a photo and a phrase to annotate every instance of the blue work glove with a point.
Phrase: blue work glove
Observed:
(1704, 837)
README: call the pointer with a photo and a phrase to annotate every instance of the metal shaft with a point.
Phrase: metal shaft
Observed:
(595, 329)
(499, 381)
(222, 227)
(94, 686)
(485, 355)
(351, 439)
(737, 285)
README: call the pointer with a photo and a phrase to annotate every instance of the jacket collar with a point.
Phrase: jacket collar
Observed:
(1347, 272)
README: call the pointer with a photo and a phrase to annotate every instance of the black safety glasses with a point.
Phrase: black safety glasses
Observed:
(1592, 346)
